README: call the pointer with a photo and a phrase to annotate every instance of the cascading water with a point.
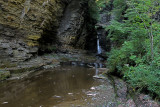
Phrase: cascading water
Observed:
(100, 65)
(99, 50)
(96, 67)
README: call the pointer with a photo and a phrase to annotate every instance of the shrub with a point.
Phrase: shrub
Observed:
(143, 77)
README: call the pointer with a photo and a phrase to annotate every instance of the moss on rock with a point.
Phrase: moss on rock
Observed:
(22, 24)
(4, 74)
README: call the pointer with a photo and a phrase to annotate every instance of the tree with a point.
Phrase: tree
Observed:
(137, 49)
(146, 10)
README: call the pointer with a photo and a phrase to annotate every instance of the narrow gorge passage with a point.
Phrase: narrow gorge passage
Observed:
(79, 53)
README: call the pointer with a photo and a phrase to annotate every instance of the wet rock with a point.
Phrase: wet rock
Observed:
(103, 70)
(143, 100)
(56, 96)
(100, 76)
(5, 103)
(73, 63)
(121, 89)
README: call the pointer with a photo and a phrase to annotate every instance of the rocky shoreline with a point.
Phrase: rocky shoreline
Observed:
(123, 98)
(44, 62)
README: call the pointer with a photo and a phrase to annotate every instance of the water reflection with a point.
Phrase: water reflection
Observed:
(61, 86)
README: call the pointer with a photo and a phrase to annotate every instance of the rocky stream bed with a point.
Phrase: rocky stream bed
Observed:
(67, 80)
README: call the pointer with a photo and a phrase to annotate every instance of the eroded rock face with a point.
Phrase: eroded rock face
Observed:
(22, 24)
(31, 26)
(73, 31)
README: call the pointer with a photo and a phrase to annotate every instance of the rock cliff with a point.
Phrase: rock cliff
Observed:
(27, 26)
(73, 30)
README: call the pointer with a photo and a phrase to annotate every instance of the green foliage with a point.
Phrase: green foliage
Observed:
(93, 10)
(117, 33)
(95, 7)
(102, 3)
(119, 8)
(144, 77)
(131, 53)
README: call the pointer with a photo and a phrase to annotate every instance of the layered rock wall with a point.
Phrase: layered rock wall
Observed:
(22, 23)
(30, 27)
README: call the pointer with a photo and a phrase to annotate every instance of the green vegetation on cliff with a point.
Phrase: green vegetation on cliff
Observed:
(135, 39)
(95, 6)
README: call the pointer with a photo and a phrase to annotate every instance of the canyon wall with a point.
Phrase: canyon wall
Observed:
(31, 26)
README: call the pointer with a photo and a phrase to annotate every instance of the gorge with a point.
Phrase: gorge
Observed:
(53, 53)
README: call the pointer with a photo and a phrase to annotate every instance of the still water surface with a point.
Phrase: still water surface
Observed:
(65, 86)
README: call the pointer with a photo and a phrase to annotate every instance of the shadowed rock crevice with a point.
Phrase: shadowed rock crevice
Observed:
(74, 27)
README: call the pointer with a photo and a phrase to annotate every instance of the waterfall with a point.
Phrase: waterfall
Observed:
(99, 50)
(96, 67)
(98, 63)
